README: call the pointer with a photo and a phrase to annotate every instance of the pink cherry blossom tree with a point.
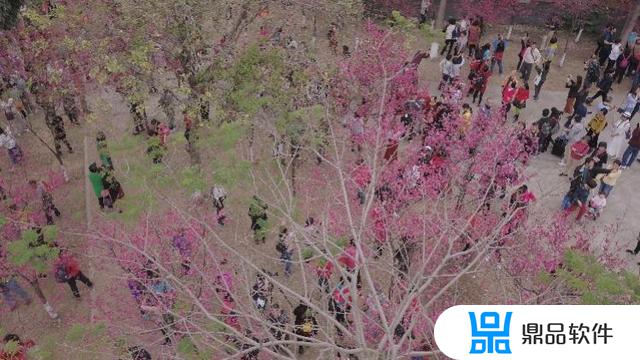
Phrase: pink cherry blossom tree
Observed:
(385, 232)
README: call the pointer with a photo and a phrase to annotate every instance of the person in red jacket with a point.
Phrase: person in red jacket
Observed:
(520, 100)
(14, 348)
(578, 152)
(480, 82)
(324, 270)
(68, 270)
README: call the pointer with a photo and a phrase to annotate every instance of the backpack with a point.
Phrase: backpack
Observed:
(456, 32)
(307, 326)
(478, 81)
(60, 273)
(545, 128)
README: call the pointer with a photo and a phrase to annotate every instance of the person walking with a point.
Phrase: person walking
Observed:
(614, 54)
(9, 142)
(258, 216)
(457, 61)
(520, 100)
(632, 100)
(14, 121)
(70, 108)
(592, 72)
(480, 83)
(473, 40)
(607, 36)
(604, 86)
(622, 65)
(463, 35)
(10, 289)
(499, 46)
(540, 79)
(508, 94)
(67, 269)
(618, 136)
(56, 125)
(449, 37)
(530, 57)
(605, 50)
(580, 199)
(139, 116)
(166, 103)
(48, 207)
(595, 127)
(550, 51)
(631, 152)
(284, 250)
(524, 45)
(446, 68)
(218, 196)
(545, 129)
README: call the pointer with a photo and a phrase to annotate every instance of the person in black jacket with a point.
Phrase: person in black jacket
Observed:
(541, 78)
(306, 325)
(604, 86)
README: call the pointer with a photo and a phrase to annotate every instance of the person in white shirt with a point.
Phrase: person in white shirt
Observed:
(218, 195)
(447, 69)
(457, 62)
(9, 142)
(462, 40)
(632, 99)
(531, 56)
(449, 37)
(618, 136)
(616, 51)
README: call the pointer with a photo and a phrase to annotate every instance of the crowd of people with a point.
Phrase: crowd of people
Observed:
(572, 132)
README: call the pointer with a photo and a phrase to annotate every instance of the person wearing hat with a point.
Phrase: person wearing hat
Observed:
(619, 135)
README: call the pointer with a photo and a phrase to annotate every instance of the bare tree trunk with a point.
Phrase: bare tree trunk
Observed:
(631, 22)
(442, 8)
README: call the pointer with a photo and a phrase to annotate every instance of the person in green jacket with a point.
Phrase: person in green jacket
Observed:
(95, 177)
(258, 215)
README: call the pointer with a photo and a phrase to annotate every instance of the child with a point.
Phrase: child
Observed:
(597, 204)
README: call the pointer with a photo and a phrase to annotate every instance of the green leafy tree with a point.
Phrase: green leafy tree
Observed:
(590, 282)
(30, 256)
(9, 12)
